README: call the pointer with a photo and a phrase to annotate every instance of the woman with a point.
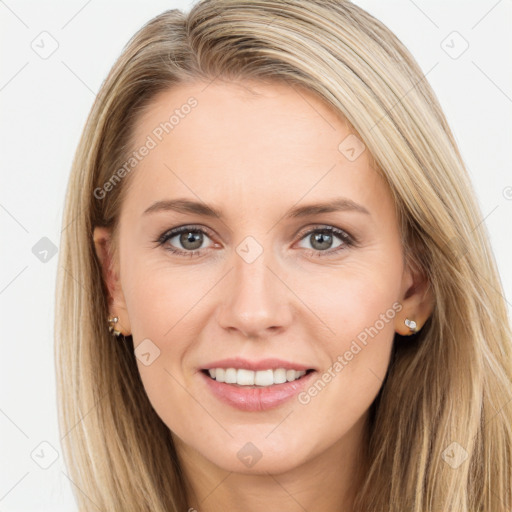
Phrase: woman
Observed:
(278, 291)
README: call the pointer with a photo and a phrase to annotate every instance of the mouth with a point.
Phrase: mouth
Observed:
(256, 390)
(244, 378)
(255, 385)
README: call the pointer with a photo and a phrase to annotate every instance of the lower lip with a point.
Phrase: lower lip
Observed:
(251, 399)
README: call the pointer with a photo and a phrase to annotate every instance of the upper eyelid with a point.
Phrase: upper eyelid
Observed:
(180, 229)
(321, 227)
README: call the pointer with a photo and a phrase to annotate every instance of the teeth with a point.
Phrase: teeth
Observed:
(245, 377)
(264, 378)
(230, 376)
(279, 375)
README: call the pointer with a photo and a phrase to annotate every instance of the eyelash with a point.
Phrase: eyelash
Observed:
(348, 240)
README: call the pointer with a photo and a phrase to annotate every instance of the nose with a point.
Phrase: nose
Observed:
(256, 301)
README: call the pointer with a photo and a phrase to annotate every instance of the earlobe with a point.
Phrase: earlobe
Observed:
(117, 307)
(417, 304)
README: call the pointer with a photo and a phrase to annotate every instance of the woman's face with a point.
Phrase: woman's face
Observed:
(270, 284)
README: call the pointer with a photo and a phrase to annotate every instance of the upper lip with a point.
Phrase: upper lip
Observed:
(262, 364)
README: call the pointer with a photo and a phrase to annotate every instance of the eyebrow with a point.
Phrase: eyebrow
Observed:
(188, 206)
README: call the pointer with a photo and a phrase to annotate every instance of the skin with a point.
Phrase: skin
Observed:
(254, 157)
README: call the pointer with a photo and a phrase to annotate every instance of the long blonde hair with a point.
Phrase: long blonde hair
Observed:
(446, 395)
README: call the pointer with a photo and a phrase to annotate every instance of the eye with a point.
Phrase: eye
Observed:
(327, 240)
(188, 238)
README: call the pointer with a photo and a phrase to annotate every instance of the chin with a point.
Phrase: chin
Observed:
(253, 458)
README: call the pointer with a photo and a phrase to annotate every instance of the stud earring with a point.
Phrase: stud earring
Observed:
(111, 328)
(412, 325)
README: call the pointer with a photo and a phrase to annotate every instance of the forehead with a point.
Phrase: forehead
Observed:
(257, 113)
(248, 141)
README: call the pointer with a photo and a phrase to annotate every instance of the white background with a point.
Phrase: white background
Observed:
(44, 104)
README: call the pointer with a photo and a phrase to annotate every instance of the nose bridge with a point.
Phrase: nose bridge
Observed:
(256, 300)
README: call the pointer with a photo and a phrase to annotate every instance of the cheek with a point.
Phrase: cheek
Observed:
(352, 299)
(358, 358)
(358, 312)
(161, 296)
(162, 306)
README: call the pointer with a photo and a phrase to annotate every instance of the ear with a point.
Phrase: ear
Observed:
(417, 300)
(110, 270)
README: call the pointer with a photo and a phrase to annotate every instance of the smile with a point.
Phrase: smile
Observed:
(268, 390)
(262, 378)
